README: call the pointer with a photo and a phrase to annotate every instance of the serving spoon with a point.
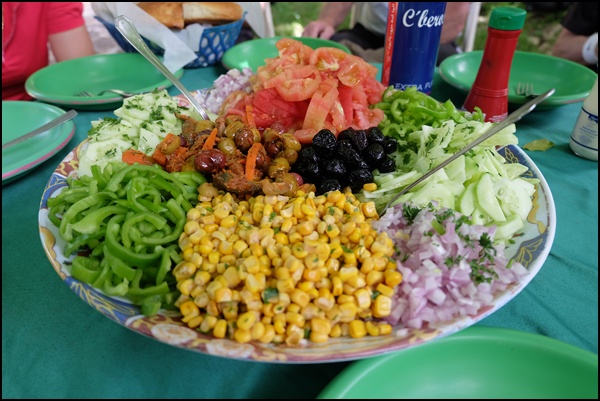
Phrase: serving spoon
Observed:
(511, 118)
(127, 29)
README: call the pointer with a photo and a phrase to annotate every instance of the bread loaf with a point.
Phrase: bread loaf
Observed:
(167, 13)
(211, 13)
(176, 15)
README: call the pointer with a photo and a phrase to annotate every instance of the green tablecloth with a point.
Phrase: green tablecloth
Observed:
(56, 346)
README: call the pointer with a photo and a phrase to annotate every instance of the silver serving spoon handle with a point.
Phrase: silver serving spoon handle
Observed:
(127, 29)
(511, 118)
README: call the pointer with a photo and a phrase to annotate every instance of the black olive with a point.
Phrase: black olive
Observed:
(374, 154)
(358, 178)
(387, 165)
(313, 170)
(334, 168)
(346, 135)
(360, 141)
(308, 154)
(374, 135)
(351, 157)
(344, 143)
(324, 142)
(329, 185)
(390, 145)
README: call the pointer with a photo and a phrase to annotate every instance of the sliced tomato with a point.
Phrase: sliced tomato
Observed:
(352, 71)
(305, 136)
(373, 90)
(364, 117)
(336, 117)
(359, 97)
(345, 99)
(293, 51)
(328, 60)
(319, 107)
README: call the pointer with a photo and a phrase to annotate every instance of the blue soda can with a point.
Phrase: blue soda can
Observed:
(412, 41)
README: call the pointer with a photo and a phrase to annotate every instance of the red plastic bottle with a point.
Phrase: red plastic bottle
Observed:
(490, 89)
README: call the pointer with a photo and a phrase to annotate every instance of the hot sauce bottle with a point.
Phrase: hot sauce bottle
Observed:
(490, 89)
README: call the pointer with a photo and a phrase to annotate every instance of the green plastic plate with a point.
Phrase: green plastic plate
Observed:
(572, 81)
(21, 117)
(60, 82)
(478, 362)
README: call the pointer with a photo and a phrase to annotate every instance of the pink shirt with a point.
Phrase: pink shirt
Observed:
(25, 31)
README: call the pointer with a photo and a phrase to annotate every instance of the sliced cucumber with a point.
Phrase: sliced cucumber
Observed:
(467, 202)
(434, 191)
(506, 230)
(486, 198)
(515, 197)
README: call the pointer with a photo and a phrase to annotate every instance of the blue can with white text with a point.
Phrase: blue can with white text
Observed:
(411, 44)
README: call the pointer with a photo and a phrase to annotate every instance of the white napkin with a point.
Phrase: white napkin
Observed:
(177, 52)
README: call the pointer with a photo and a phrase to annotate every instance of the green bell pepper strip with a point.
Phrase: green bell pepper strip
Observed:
(154, 219)
(118, 266)
(98, 175)
(123, 253)
(104, 273)
(133, 189)
(151, 305)
(92, 222)
(89, 240)
(151, 206)
(86, 270)
(118, 290)
(64, 229)
(180, 221)
(159, 289)
(164, 268)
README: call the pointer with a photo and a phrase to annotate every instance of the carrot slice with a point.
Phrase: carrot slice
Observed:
(132, 156)
(159, 157)
(210, 141)
(251, 160)
(250, 116)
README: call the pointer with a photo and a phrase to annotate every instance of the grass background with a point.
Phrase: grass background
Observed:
(542, 23)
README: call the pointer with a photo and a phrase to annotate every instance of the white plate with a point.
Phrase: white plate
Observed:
(531, 249)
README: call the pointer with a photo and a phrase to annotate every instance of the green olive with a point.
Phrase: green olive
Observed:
(227, 146)
(289, 179)
(189, 164)
(288, 154)
(233, 128)
(279, 165)
(291, 142)
(203, 125)
(171, 146)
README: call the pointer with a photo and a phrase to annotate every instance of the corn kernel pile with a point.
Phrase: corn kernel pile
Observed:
(280, 269)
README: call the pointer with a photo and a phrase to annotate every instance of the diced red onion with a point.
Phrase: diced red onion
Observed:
(431, 292)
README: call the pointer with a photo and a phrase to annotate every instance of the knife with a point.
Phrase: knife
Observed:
(57, 121)
(511, 118)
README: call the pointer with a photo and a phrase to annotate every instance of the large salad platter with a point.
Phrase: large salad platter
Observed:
(531, 249)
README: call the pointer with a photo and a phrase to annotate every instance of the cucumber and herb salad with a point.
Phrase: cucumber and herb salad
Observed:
(141, 123)
(479, 184)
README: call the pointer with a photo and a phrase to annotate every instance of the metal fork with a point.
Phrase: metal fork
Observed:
(525, 89)
(117, 91)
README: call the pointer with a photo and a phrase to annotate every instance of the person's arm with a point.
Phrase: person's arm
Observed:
(455, 19)
(71, 44)
(574, 41)
(569, 45)
(332, 15)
